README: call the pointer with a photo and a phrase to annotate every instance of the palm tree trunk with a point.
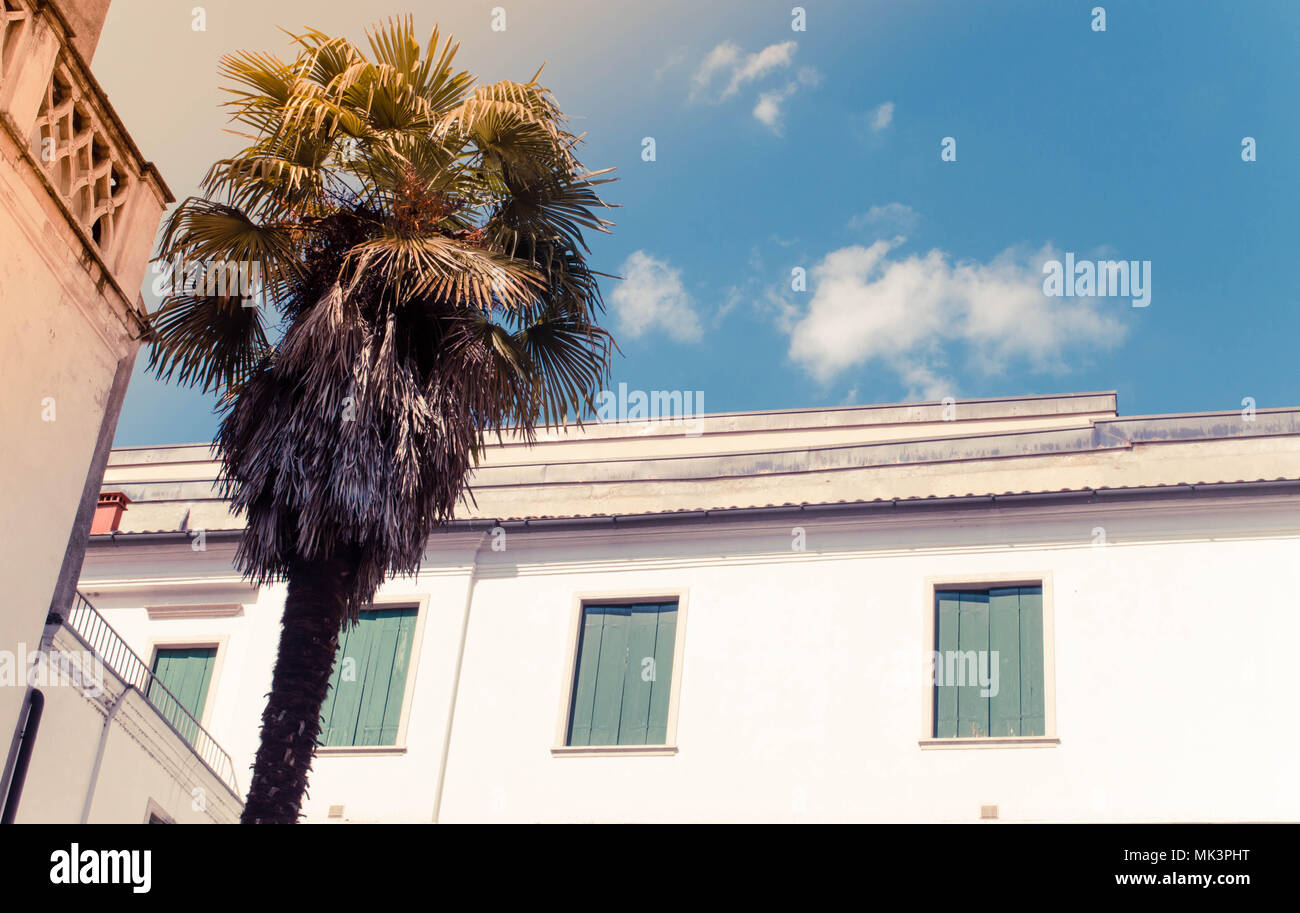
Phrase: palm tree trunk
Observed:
(309, 636)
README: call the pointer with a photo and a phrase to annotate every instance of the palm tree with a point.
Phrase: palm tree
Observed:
(420, 246)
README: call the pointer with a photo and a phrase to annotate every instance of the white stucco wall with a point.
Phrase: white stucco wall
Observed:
(145, 764)
(124, 582)
(1172, 649)
(58, 357)
(66, 305)
(801, 693)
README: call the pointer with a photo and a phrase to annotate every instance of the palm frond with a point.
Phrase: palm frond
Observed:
(422, 241)
(432, 266)
(210, 342)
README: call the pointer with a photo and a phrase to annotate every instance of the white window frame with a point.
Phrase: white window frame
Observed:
(620, 597)
(219, 641)
(1042, 579)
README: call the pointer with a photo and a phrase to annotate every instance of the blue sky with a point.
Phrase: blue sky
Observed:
(820, 149)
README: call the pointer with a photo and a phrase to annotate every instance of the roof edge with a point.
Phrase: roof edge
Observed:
(1261, 487)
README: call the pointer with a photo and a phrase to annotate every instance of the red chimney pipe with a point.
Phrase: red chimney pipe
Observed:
(108, 512)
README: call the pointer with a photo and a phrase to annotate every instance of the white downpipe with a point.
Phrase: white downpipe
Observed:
(99, 752)
(455, 682)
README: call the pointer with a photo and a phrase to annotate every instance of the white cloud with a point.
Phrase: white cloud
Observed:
(809, 76)
(729, 303)
(924, 383)
(737, 69)
(674, 60)
(722, 57)
(651, 296)
(883, 116)
(772, 57)
(766, 302)
(728, 58)
(768, 109)
(892, 218)
(908, 313)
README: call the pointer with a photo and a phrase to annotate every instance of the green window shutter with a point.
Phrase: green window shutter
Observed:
(662, 686)
(186, 673)
(1033, 720)
(1004, 650)
(610, 669)
(972, 643)
(634, 721)
(584, 687)
(624, 675)
(350, 667)
(336, 687)
(392, 715)
(945, 692)
(1003, 625)
(364, 704)
(379, 678)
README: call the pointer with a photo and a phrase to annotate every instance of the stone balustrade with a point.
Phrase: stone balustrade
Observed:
(50, 99)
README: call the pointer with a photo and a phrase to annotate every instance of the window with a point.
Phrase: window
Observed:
(184, 674)
(364, 704)
(154, 814)
(988, 663)
(624, 674)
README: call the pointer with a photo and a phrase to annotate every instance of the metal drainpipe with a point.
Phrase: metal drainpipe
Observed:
(455, 682)
(99, 753)
(15, 743)
(27, 741)
(53, 621)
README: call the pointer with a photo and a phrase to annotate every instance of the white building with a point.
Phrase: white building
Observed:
(749, 603)
(79, 207)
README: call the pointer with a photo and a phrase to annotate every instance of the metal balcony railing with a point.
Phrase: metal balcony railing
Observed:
(98, 635)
